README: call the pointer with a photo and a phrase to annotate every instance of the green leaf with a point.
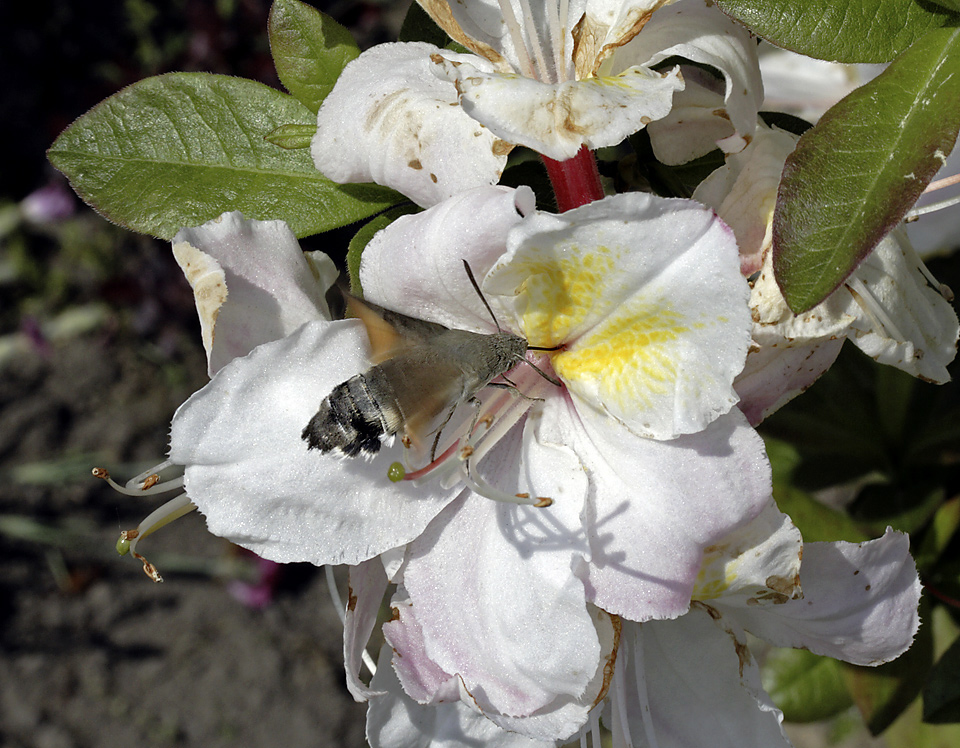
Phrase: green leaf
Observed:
(309, 49)
(941, 695)
(843, 30)
(292, 137)
(815, 520)
(941, 531)
(180, 149)
(363, 237)
(804, 686)
(853, 177)
(883, 693)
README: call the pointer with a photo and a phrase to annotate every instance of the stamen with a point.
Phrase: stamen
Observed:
(872, 308)
(170, 511)
(145, 484)
(531, 27)
(914, 214)
(497, 416)
(557, 23)
(516, 35)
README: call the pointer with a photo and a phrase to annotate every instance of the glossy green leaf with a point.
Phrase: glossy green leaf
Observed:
(843, 30)
(853, 177)
(180, 149)
(941, 695)
(804, 686)
(309, 49)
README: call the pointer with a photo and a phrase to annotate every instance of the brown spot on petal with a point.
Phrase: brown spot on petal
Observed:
(415, 164)
(502, 147)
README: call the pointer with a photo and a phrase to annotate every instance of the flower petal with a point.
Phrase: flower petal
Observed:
(859, 602)
(778, 370)
(658, 505)
(645, 296)
(696, 684)
(697, 123)
(271, 288)
(389, 120)
(415, 265)
(902, 316)
(566, 715)
(251, 474)
(396, 721)
(558, 119)
(701, 33)
(492, 583)
(756, 564)
(368, 583)
(744, 192)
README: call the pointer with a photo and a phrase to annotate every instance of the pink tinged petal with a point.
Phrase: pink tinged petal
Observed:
(776, 373)
(494, 589)
(558, 119)
(646, 297)
(902, 316)
(368, 583)
(396, 721)
(422, 679)
(271, 289)
(657, 505)
(389, 120)
(701, 33)
(251, 474)
(859, 602)
(415, 265)
(756, 564)
(691, 683)
(744, 193)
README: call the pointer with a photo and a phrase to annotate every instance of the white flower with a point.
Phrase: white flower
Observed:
(552, 76)
(641, 449)
(693, 681)
(891, 307)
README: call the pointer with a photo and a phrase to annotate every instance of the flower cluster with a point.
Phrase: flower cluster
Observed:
(535, 433)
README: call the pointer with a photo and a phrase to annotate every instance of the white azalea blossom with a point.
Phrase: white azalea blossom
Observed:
(554, 77)
(891, 307)
(693, 681)
(641, 448)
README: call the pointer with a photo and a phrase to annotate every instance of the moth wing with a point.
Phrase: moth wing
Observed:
(390, 333)
(426, 387)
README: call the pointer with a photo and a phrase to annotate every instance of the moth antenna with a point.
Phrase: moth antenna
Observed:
(476, 287)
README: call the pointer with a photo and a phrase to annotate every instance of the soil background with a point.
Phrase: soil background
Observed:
(98, 346)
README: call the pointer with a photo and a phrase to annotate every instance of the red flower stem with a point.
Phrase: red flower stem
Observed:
(575, 181)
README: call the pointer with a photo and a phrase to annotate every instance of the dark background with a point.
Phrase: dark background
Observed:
(98, 345)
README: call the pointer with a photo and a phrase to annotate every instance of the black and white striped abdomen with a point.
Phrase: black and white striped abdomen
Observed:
(355, 416)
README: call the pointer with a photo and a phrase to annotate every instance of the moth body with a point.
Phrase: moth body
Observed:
(426, 370)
